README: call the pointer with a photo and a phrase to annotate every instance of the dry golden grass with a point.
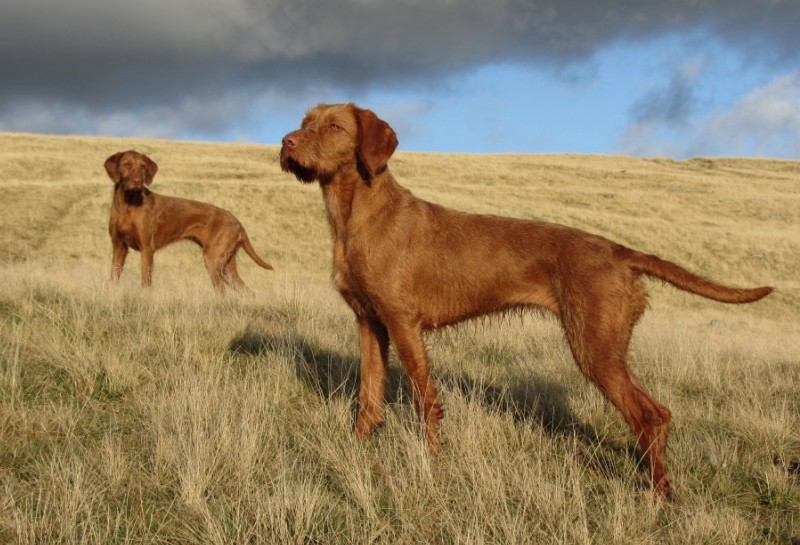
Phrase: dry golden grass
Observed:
(174, 416)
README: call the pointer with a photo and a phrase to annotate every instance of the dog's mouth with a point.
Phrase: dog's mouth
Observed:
(132, 185)
(289, 164)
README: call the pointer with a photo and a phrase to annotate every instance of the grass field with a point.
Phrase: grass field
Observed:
(174, 416)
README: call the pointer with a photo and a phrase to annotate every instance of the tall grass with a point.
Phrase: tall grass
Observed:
(175, 416)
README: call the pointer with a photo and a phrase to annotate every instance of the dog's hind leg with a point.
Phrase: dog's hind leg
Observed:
(217, 269)
(232, 276)
(598, 330)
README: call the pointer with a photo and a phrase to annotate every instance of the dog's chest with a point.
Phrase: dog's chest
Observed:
(349, 268)
(349, 284)
(126, 227)
(130, 237)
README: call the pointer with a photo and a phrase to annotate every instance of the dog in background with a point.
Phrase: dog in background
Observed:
(405, 265)
(146, 222)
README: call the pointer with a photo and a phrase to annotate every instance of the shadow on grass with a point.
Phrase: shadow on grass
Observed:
(329, 374)
(533, 401)
(542, 402)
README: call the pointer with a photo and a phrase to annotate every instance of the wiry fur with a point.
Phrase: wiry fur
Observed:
(405, 265)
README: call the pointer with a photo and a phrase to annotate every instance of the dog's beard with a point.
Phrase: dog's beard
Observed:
(135, 197)
(304, 174)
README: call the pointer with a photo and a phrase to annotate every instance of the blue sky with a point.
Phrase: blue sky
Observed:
(674, 78)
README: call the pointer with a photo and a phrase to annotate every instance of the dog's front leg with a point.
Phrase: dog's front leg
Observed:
(118, 258)
(411, 349)
(374, 344)
(147, 266)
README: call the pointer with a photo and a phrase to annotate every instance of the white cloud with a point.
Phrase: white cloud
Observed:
(763, 122)
(766, 121)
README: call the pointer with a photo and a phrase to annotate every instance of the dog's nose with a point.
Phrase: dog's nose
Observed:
(133, 182)
(290, 141)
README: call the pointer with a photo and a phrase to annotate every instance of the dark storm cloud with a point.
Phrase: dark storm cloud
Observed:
(674, 102)
(101, 56)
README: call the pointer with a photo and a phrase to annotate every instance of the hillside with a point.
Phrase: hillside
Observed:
(175, 416)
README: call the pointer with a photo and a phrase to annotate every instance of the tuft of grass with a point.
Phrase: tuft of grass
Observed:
(174, 416)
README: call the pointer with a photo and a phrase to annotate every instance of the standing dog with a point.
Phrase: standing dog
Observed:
(145, 221)
(405, 265)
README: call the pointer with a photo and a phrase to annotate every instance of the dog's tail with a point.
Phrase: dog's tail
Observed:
(252, 253)
(679, 277)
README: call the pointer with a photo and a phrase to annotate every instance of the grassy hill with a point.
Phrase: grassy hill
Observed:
(175, 416)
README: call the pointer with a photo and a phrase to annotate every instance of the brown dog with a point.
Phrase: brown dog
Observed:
(145, 221)
(405, 265)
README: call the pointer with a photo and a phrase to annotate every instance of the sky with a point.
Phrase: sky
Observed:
(665, 78)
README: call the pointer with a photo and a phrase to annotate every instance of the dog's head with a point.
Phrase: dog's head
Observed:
(132, 169)
(337, 137)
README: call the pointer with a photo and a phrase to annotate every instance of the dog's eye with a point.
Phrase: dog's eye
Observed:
(335, 127)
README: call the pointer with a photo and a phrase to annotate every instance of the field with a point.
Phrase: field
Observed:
(176, 416)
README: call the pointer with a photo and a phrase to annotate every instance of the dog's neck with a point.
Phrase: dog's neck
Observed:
(337, 192)
(343, 191)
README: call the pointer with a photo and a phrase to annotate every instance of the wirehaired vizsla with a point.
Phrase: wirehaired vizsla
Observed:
(405, 265)
(145, 221)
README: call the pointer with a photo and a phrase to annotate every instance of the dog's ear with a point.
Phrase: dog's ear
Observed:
(112, 166)
(376, 141)
(152, 168)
